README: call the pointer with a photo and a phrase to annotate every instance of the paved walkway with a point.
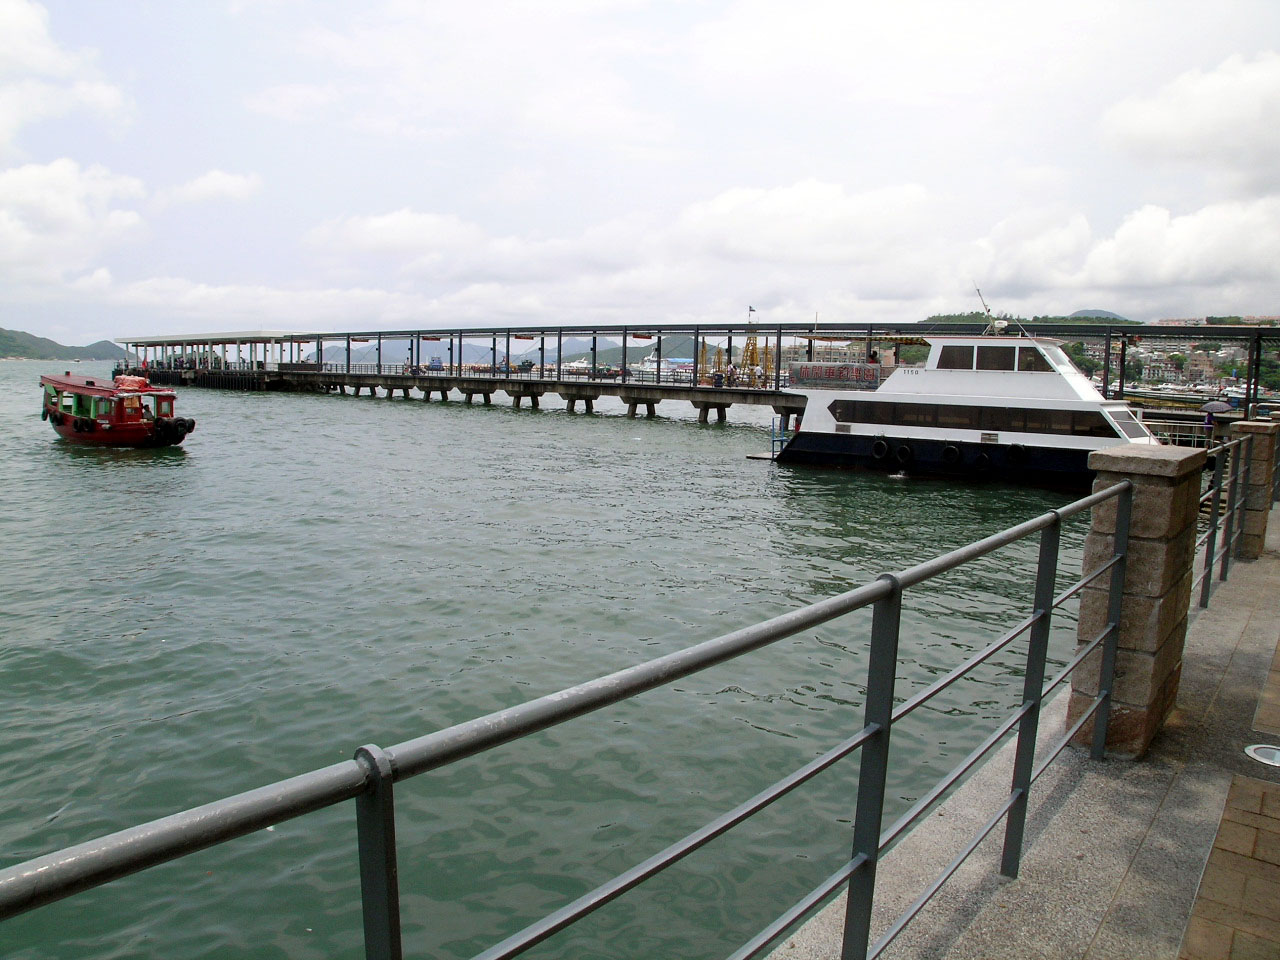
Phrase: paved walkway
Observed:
(1117, 850)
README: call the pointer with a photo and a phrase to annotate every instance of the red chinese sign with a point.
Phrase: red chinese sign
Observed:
(854, 376)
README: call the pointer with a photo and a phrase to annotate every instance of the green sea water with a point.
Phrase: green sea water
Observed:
(307, 574)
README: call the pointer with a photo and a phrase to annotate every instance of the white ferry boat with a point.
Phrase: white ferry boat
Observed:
(994, 406)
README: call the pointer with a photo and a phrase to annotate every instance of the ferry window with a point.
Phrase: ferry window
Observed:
(165, 408)
(998, 419)
(1128, 425)
(1090, 423)
(995, 358)
(955, 358)
(964, 418)
(1032, 360)
(917, 414)
(842, 411)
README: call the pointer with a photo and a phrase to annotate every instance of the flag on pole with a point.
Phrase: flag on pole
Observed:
(751, 309)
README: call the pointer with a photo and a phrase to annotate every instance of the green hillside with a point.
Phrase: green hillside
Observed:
(15, 343)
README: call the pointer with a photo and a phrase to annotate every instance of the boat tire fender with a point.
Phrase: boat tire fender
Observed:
(982, 461)
(180, 427)
(903, 454)
(77, 425)
(1018, 453)
(191, 424)
(90, 425)
(950, 453)
(880, 449)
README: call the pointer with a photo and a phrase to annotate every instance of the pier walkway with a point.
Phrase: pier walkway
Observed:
(636, 391)
(1176, 855)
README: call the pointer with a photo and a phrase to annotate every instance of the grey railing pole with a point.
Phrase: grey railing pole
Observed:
(379, 882)
(1115, 606)
(1246, 474)
(873, 769)
(1032, 692)
(1215, 507)
(1229, 522)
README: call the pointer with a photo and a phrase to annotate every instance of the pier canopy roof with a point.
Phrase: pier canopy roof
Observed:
(212, 339)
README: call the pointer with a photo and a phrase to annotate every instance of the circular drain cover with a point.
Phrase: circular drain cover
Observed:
(1264, 753)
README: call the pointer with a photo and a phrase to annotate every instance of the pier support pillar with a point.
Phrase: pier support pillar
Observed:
(515, 401)
(1157, 591)
(1257, 495)
(652, 409)
(588, 404)
(722, 414)
(571, 404)
(488, 398)
(631, 409)
(702, 413)
(468, 396)
(533, 401)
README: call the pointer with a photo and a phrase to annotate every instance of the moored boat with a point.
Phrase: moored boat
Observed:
(1003, 407)
(124, 412)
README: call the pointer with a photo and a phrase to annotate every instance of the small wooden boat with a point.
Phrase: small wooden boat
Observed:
(124, 412)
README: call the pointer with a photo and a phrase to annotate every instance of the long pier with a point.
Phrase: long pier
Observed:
(479, 362)
(635, 392)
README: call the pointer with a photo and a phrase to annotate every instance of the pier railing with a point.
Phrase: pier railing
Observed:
(369, 778)
(1223, 498)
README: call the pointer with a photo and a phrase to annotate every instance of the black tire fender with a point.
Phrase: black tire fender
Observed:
(1018, 453)
(880, 449)
(950, 453)
(903, 454)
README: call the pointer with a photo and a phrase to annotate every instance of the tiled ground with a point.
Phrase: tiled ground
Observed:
(1237, 909)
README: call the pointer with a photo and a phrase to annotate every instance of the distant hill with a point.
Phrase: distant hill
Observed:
(1079, 316)
(15, 343)
(1099, 315)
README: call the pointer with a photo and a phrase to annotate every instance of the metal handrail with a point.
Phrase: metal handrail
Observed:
(369, 777)
(1229, 478)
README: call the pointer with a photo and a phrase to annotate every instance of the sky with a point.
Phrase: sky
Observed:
(287, 165)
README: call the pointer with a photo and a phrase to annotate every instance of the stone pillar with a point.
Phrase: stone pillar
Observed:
(1257, 496)
(1157, 592)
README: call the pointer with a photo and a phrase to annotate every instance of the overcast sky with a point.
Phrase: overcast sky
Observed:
(170, 167)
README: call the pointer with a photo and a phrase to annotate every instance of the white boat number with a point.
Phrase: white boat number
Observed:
(909, 372)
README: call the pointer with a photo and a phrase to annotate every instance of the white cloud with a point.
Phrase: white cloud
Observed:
(400, 232)
(25, 45)
(1210, 247)
(40, 80)
(1226, 120)
(57, 218)
(808, 222)
(214, 185)
(293, 102)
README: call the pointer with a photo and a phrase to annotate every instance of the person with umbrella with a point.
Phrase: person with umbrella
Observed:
(1210, 408)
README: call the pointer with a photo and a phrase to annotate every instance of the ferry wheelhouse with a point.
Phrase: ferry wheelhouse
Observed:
(124, 412)
(1006, 407)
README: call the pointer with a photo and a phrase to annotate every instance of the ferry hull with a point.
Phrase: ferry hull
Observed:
(94, 433)
(1038, 466)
